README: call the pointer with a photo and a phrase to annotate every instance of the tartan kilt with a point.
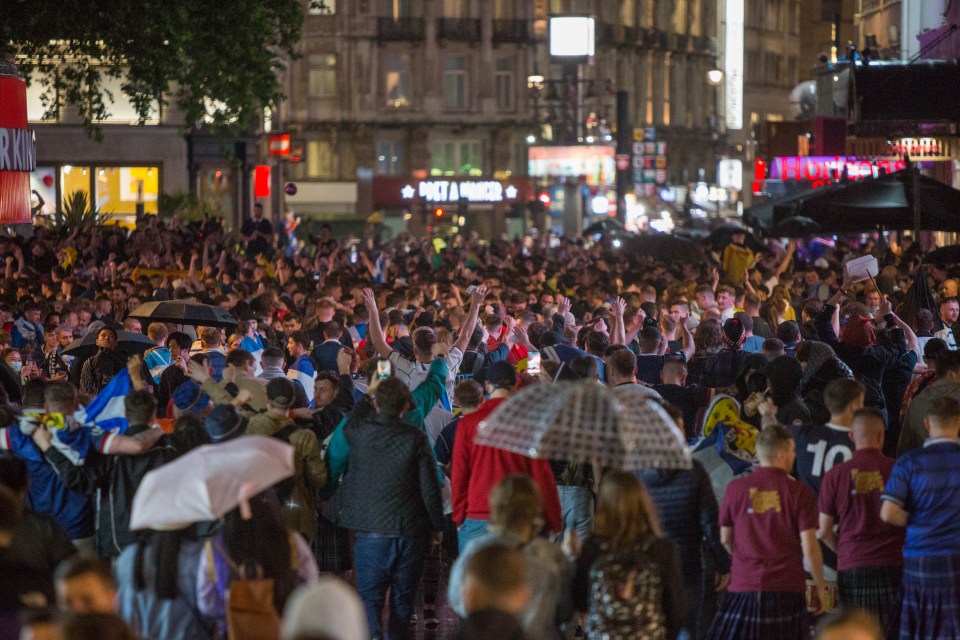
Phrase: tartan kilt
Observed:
(930, 600)
(875, 589)
(752, 615)
(331, 546)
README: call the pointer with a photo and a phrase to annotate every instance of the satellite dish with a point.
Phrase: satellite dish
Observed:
(803, 100)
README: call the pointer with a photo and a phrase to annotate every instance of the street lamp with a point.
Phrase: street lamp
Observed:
(715, 77)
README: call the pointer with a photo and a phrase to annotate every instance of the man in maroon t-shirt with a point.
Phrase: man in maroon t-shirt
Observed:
(870, 551)
(768, 522)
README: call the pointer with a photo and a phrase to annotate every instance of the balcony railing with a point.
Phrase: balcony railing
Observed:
(460, 29)
(510, 30)
(400, 29)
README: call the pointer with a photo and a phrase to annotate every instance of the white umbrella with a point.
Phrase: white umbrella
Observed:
(209, 481)
(623, 428)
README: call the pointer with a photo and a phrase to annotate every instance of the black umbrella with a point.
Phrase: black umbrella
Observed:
(605, 226)
(796, 227)
(184, 312)
(127, 342)
(663, 247)
(875, 203)
(918, 296)
(944, 255)
(722, 236)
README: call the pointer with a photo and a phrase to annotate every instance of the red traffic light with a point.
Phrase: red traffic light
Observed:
(438, 212)
(544, 197)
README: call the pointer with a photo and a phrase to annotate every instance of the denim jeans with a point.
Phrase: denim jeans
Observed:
(384, 561)
(469, 530)
(576, 504)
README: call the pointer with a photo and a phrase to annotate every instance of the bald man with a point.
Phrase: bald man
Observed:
(869, 551)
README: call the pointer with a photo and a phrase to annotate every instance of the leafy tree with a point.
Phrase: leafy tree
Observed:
(218, 62)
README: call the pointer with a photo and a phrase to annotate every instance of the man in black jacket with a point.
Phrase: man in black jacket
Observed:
(100, 369)
(112, 478)
(391, 497)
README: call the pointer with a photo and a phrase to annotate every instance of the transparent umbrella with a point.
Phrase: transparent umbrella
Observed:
(623, 428)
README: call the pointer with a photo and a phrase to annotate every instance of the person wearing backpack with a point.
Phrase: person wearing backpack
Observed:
(627, 578)
(249, 569)
(296, 495)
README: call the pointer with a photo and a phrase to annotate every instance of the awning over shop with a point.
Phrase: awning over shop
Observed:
(865, 205)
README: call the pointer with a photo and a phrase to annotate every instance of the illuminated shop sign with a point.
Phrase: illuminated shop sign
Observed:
(455, 190)
(822, 170)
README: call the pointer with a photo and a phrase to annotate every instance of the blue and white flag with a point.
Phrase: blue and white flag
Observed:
(302, 371)
(254, 346)
(99, 423)
(106, 410)
(157, 360)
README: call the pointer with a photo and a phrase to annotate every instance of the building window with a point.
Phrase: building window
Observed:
(319, 159)
(397, 85)
(322, 76)
(122, 189)
(505, 82)
(754, 67)
(648, 89)
(397, 8)
(791, 78)
(771, 15)
(666, 89)
(456, 158)
(454, 8)
(390, 160)
(455, 82)
(772, 73)
(120, 107)
(322, 7)
(754, 17)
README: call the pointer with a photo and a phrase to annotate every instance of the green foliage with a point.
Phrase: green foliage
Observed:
(77, 215)
(217, 62)
(188, 207)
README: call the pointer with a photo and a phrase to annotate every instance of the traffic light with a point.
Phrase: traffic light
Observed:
(544, 198)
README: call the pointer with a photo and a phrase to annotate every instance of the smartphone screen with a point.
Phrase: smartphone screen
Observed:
(533, 363)
(384, 369)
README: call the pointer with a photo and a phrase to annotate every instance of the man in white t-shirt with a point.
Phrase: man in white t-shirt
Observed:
(413, 372)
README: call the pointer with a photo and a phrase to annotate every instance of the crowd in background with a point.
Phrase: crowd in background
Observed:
(378, 362)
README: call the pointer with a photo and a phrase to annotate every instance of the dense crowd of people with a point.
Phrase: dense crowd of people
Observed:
(825, 486)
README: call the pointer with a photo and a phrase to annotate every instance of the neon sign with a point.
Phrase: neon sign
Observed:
(822, 170)
(454, 190)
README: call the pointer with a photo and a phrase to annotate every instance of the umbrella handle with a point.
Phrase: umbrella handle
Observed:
(244, 497)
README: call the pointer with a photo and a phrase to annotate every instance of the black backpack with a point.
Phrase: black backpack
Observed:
(284, 488)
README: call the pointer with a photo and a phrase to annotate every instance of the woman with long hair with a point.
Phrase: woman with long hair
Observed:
(258, 546)
(157, 585)
(627, 577)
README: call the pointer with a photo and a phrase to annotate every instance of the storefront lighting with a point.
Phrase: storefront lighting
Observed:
(531, 139)
(461, 221)
(67, 168)
(407, 216)
(715, 77)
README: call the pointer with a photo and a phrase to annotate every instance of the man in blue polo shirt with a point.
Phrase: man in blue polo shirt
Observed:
(923, 495)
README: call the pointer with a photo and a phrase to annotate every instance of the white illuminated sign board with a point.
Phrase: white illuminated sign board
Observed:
(733, 65)
(453, 191)
(571, 37)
